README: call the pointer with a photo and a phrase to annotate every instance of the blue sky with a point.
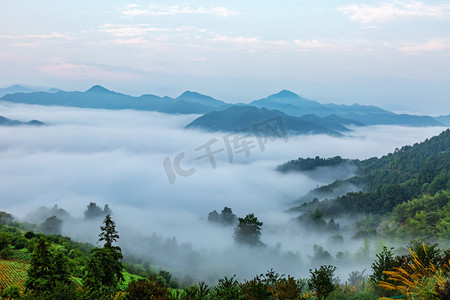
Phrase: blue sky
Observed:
(394, 54)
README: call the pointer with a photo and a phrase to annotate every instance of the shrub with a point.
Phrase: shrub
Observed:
(146, 289)
(321, 281)
(11, 292)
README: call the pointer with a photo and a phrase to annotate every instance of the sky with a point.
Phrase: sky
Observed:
(393, 54)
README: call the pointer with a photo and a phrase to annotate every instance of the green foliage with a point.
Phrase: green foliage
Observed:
(316, 221)
(248, 231)
(11, 292)
(395, 178)
(227, 289)
(226, 217)
(287, 288)
(94, 211)
(6, 218)
(384, 262)
(307, 164)
(143, 289)
(428, 254)
(103, 271)
(47, 270)
(4, 240)
(52, 226)
(108, 232)
(320, 255)
(257, 288)
(196, 292)
(424, 217)
(321, 281)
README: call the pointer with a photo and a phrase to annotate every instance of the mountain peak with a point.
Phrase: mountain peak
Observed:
(98, 89)
(199, 98)
(190, 94)
(286, 93)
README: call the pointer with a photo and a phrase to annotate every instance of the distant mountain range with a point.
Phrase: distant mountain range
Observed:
(301, 114)
(101, 98)
(8, 122)
(243, 118)
(21, 89)
(443, 119)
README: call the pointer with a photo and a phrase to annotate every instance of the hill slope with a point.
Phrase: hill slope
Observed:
(392, 179)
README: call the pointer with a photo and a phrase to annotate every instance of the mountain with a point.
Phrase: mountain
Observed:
(386, 182)
(393, 119)
(244, 118)
(194, 103)
(195, 97)
(333, 116)
(8, 122)
(15, 89)
(292, 104)
(102, 98)
(443, 119)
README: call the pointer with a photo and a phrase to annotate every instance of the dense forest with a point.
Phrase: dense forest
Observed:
(407, 191)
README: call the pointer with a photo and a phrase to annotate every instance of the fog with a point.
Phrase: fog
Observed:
(116, 158)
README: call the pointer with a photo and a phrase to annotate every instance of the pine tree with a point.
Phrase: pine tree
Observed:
(104, 268)
(47, 270)
(248, 231)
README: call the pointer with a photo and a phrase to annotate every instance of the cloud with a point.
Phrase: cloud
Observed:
(247, 43)
(82, 71)
(130, 30)
(53, 35)
(310, 45)
(395, 10)
(172, 10)
(431, 46)
(116, 157)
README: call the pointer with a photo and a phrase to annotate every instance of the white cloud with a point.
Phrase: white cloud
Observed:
(391, 11)
(53, 35)
(170, 10)
(247, 43)
(129, 30)
(430, 46)
(312, 45)
(81, 72)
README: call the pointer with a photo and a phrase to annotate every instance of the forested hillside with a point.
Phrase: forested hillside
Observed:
(409, 172)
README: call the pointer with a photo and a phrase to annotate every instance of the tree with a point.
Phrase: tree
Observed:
(6, 218)
(227, 216)
(321, 281)
(4, 240)
(248, 231)
(143, 289)
(109, 233)
(227, 289)
(104, 268)
(47, 272)
(93, 211)
(52, 226)
(214, 216)
(384, 262)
